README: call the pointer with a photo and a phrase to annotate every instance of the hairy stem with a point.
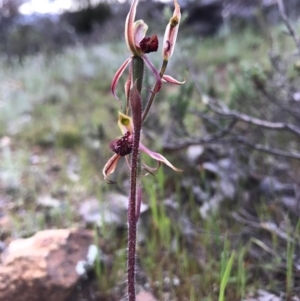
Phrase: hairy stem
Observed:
(136, 109)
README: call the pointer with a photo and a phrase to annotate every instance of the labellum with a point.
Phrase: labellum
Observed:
(122, 146)
(149, 44)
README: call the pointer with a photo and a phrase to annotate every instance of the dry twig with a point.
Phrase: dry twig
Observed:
(288, 24)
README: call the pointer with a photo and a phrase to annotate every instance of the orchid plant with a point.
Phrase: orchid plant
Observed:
(130, 121)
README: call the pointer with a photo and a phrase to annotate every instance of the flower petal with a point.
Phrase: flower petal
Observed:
(125, 123)
(117, 76)
(139, 31)
(171, 33)
(172, 80)
(110, 167)
(129, 27)
(158, 157)
(154, 71)
(150, 169)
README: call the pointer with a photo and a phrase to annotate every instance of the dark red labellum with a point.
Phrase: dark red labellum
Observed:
(149, 44)
(122, 146)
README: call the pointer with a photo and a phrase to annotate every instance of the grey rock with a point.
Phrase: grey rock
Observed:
(111, 210)
(48, 201)
(193, 152)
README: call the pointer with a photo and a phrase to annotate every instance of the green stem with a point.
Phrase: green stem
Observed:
(137, 72)
(152, 96)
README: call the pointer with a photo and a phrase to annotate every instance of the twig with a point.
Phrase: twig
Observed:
(288, 24)
(294, 113)
(266, 149)
(268, 226)
(255, 121)
(216, 138)
(223, 110)
(199, 140)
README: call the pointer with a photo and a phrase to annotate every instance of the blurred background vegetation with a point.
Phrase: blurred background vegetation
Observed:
(233, 128)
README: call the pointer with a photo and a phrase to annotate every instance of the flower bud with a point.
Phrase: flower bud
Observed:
(171, 33)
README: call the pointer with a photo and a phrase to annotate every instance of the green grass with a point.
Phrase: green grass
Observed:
(60, 117)
(225, 273)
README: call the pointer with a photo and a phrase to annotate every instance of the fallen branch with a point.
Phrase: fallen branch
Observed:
(224, 111)
(213, 138)
(267, 149)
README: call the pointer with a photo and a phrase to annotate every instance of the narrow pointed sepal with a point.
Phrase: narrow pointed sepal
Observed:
(129, 27)
(155, 73)
(171, 33)
(158, 157)
(172, 80)
(117, 76)
(149, 169)
(110, 167)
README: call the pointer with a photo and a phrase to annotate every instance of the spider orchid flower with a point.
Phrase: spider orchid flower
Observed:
(139, 45)
(123, 147)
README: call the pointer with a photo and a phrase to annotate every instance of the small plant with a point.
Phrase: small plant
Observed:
(68, 136)
(225, 273)
(131, 119)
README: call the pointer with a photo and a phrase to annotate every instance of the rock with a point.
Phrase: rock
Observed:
(264, 296)
(84, 266)
(208, 207)
(193, 153)
(5, 142)
(271, 186)
(48, 201)
(296, 96)
(6, 225)
(111, 211)
(90, 211)
(145, 296)
(42, 267)
(291, 203)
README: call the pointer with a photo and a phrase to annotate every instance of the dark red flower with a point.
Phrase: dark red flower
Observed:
(149, 44)
(122, 146)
